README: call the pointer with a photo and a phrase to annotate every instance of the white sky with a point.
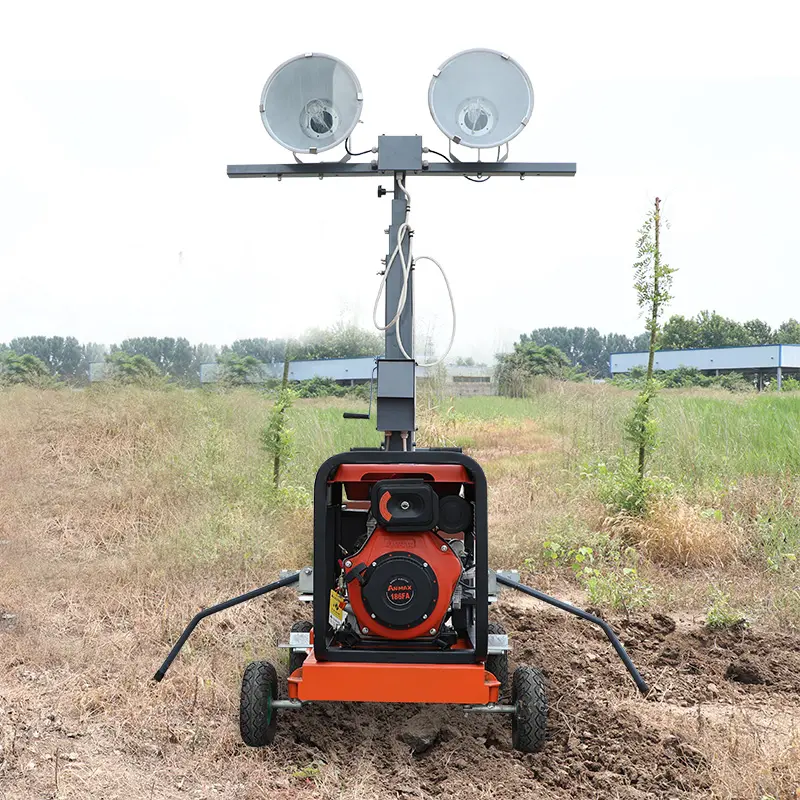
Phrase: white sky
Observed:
(117, 218)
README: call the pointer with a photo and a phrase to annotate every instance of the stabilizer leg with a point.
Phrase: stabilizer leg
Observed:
(207, 612)
(579, 612)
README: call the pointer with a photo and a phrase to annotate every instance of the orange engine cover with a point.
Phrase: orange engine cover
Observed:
(400, 584)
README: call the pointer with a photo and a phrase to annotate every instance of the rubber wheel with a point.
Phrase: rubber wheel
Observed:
(529, 723)
(497, 663)
(296, 659)
(257, 717)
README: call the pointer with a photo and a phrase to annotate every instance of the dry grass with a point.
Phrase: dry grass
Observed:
(676, 533)
(750, 752)
(121, 513)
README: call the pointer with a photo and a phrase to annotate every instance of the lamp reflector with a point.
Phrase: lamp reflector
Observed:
(480, 98)
(311, 103)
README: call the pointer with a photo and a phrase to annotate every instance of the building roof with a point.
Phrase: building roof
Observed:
(766, 356)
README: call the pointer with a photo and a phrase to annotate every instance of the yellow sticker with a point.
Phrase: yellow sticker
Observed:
(336, 609)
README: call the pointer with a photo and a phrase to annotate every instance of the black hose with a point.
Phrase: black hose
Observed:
(579, 612)
(207, 612)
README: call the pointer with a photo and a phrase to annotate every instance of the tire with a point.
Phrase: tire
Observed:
(497, 664)
(257, 717)
(529, 723)
(296, 659)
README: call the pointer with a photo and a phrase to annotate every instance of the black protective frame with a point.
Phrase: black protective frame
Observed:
(326, 520)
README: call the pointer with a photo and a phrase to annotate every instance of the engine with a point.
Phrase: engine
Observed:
(400, 583)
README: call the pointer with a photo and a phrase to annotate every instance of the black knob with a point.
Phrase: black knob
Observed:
(381, 191)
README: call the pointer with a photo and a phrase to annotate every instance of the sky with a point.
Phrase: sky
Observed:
(117, 218)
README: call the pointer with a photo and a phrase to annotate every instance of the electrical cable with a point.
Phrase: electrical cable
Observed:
(442, 155)
(362, 153)
(437, 153)
(403, 231)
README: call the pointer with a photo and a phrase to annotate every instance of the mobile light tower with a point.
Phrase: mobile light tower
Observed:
(401, 584)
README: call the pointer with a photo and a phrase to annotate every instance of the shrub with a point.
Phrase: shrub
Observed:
(621, 489)
(790, 384)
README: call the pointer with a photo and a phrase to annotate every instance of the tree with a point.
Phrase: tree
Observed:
(652, 282)
(681, 333)
(236, 370)
(719, 331)
(586, 348)
(342, 340)
(759, 332)
(61, 355)
(24, 369)
(277, 436)
(788, 332)
(528, 360)
(173, 357)
(267, 351)
(132, 370)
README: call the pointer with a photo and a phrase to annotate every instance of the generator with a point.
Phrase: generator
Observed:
(400, 585)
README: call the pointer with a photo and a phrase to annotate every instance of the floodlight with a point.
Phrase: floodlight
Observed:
(480, 98)
(311, 103)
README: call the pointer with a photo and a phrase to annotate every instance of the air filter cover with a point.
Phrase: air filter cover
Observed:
(405, 505)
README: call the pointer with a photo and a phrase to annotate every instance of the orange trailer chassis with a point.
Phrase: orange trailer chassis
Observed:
(369, 682)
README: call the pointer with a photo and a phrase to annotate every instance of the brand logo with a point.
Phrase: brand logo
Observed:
(399, 591)
(401, 544)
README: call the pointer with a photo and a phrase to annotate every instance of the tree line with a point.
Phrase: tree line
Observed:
(589, 351)
(66, 359)
(560, 351)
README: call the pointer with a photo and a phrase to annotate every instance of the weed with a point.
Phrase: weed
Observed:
(721, 614)
(307, 773)
(778, 538)
(609, 575)
(622, 589)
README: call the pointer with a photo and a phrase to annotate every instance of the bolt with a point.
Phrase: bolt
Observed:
(444, 548)
(365, 629)
(405, 505)
(432, 631)
(308, 570)
(374, 563)
(424, 563)
(424, 616)
(373, 616)
(348, 564)
(386, 230)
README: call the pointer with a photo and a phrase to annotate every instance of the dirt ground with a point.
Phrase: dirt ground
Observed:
(719, 703)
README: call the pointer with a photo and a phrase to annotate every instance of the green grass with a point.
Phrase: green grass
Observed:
(706, 438)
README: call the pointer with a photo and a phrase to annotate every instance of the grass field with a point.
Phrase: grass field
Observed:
(123, 511)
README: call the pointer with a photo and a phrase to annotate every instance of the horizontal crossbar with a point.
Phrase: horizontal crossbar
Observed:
(337, 169)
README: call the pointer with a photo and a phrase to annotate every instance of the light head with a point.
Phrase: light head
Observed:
(311, 103)
(480, 98)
